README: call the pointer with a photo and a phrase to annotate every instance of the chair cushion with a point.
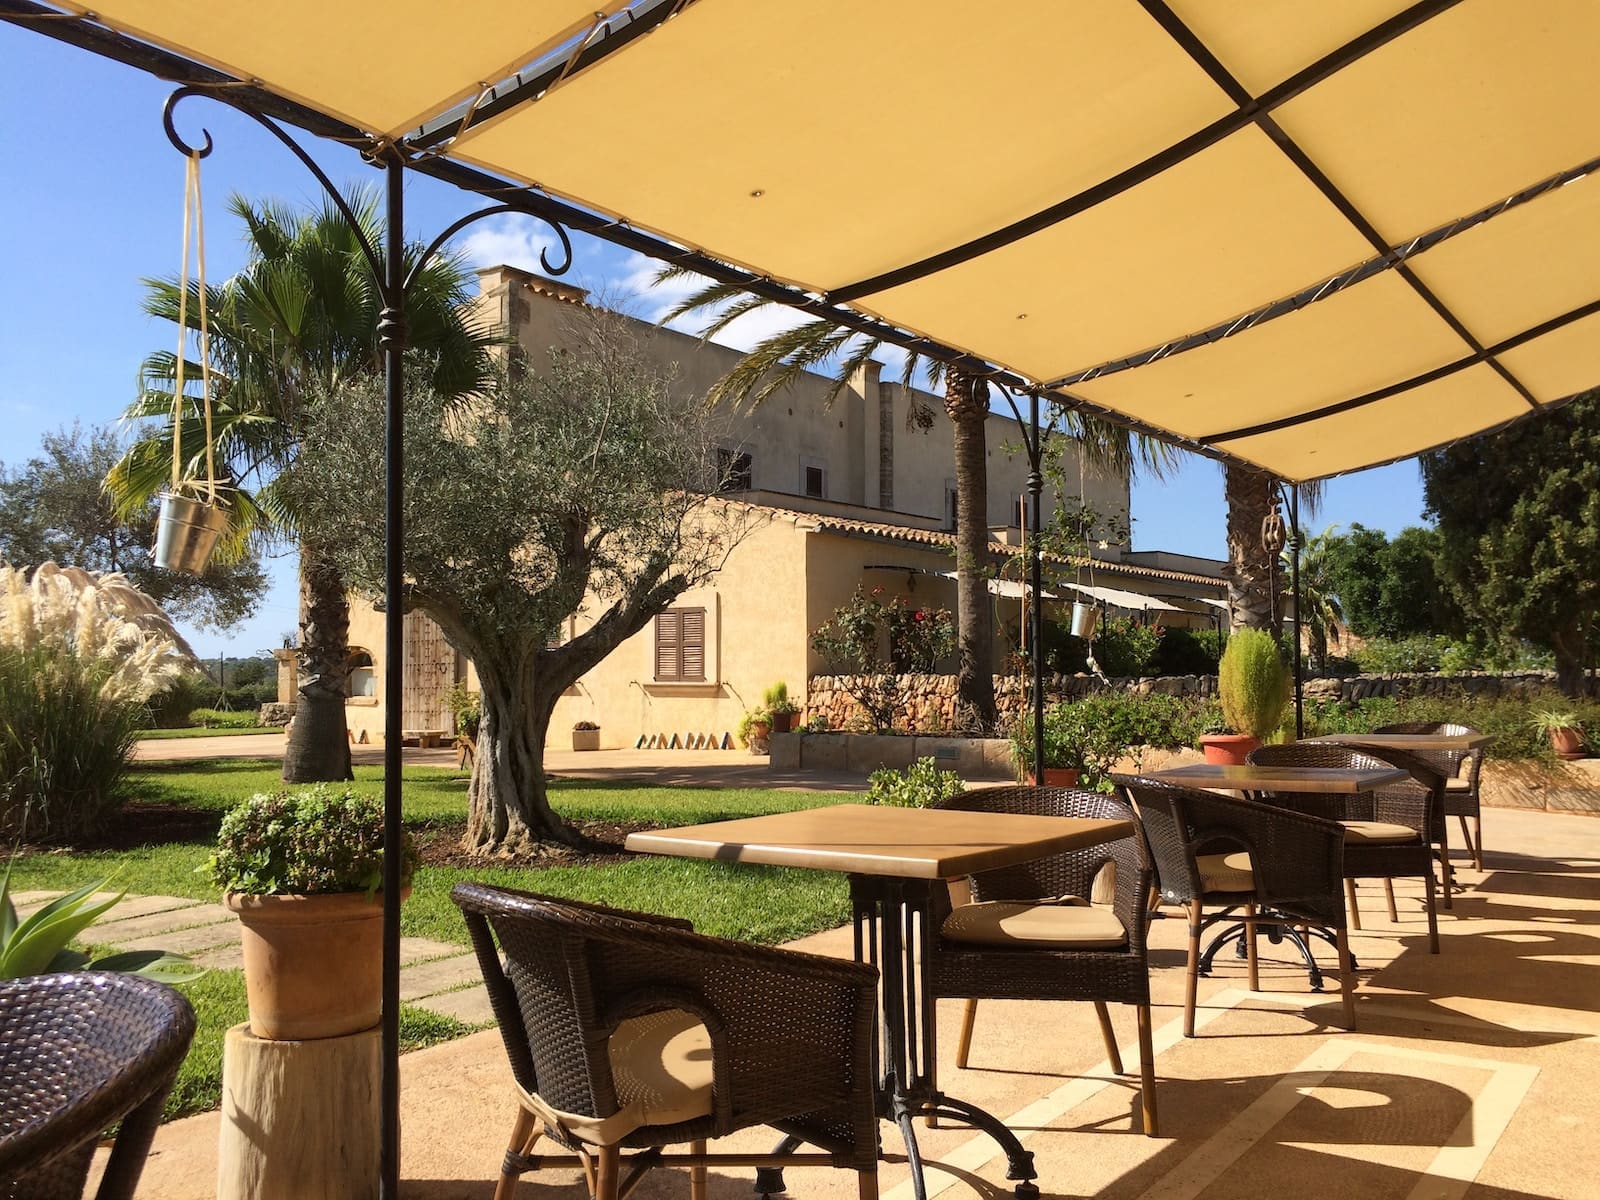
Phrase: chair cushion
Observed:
(1066, 924)
(1226, 872)
(1377, 831)
(1462, 786)
(661, 1069)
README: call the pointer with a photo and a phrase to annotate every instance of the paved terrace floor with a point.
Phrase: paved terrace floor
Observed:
(1472, 1075)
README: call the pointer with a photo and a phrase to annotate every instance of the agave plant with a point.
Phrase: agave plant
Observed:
(39, 945)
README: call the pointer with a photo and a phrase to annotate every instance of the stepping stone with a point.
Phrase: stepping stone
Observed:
(428, 979)
(226, 957)
(144, 906)
(470, 1005)
(415, 949)
(28, 903)
(162, 922)
(229, 957)
(182, 941)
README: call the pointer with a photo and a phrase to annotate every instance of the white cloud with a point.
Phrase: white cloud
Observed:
(511, 241)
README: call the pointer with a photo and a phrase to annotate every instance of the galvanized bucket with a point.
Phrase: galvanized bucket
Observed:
(1085, 617)
(187, 533)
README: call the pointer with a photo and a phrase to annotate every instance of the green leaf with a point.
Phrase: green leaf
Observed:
(67, 960)
(38, 940)
(159, 965)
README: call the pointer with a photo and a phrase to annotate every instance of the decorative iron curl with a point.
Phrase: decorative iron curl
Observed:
(550, 268)
(374, 262)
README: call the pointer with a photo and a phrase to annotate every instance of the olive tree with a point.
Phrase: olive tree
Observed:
(576, 484)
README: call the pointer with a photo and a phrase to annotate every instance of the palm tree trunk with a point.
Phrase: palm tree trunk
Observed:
(967, 403)
(318, 748)
(1250, 573)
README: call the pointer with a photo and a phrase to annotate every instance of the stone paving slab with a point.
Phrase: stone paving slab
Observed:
(428, 979)
(181, 941)
(28, 903)
(146, 906)
(161, 922)
(470, 1005)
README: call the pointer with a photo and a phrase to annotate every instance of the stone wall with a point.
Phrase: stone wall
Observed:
(931, 699)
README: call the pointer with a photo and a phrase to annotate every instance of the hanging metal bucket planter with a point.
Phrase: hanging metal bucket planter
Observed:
(1085, 616)
(187, 533)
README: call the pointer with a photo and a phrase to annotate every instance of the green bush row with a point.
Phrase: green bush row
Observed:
(215, 718)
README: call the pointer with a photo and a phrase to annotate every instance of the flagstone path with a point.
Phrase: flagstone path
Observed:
(441, 977)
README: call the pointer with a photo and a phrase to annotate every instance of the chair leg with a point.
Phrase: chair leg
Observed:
(608, 1177)
(1109, 1036)
(1347, 978)
(969, 1017)
(697, 1175)
(1192, 978)
(867, 1184)
(1388, 892)
(1429, 895)
(1448, 871)
(1351, 905)
(1252, 960)
(1147, 1071)
(527, 1130)
(1474, 844)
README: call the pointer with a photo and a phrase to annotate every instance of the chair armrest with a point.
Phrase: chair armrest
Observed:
(480, 898)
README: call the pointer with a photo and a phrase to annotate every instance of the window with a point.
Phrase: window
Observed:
(361, 681)
(681, 646)
(733, 470)
(814, 478)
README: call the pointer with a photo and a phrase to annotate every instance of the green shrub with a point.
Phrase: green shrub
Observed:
(65, 741)
(1510, 720)
(307, 841)
(776, 700)
(1253, 683)
(1126, 649)
(170, 707)
(1188, 652)
(216, 718)
(467, 708)
(922, 785)
(1390, 656)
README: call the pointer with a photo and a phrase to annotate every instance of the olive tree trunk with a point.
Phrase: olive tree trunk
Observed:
(967, 404)
(318, 746)
(1252, 572)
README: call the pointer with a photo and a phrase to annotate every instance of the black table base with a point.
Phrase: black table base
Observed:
(1289, 931)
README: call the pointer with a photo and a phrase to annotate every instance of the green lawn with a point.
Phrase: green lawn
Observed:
(161, 735)
(750, 903)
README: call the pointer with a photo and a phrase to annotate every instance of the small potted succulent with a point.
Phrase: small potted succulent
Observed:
(585, 735)
(302, 869)
(1564, 731)
(780, 708)
(1253, 685)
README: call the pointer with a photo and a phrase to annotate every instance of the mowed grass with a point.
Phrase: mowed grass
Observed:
(749, 903)
(162, 735)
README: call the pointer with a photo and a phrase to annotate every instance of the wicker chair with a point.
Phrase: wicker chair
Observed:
(1288, 874)
(628, 1031)
(1388, 831)
(78, 1053)
(1019, 941)
(1461, 769)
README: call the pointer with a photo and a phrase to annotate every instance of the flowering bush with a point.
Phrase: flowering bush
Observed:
(79, 656)
(852, 642)
(309, 841)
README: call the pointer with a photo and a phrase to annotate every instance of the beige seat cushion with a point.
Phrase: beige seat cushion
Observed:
(1066, 924)
(661, 1068)
(1458, 785)
(1226, 872)
(1377, 831)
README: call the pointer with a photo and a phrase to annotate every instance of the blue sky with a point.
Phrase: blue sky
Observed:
(92, 203)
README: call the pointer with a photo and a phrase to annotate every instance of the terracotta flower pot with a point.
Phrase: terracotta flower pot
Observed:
(1229, 749)
(782, 722)
(1567, 743)
(1066, 777)
(313, 965)
(759, 732)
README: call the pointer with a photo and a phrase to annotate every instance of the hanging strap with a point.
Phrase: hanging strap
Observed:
(193, 226)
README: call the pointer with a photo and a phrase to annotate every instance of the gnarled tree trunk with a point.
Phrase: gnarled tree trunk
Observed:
(318, 748)
(967, 403)
(1252, 572)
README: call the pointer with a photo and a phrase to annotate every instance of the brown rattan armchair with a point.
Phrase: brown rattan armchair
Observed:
(1388, 831)
(78, 1053)
(628, 1031)
(1251, 863)
(1461, 769)
(1030, 934)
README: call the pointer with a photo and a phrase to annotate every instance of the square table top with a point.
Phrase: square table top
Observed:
(1339, 781)
(863, 839)
(1409, 741)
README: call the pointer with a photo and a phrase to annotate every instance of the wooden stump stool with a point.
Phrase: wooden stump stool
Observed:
(299, 1119)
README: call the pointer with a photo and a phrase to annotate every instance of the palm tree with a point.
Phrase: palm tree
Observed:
(1321, 614)
(305, 308)
(777, 361)
(1252, 574)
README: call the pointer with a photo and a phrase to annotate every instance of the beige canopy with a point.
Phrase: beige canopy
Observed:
(1313, 236)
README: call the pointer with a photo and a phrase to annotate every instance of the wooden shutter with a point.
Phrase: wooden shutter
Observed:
(669, 643)
(693, 662)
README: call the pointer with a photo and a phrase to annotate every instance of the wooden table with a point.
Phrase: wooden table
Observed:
(1459, 742)
(893, 857)
(1325, 781)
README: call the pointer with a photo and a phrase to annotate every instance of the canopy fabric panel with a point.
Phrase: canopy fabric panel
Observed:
(1117, 598)
(1008, 589)
(1309, 237)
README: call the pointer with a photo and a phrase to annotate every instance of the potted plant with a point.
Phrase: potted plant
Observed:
(1564, 731)
(754, 728)
(302, 870)
(585, 735)
(1063, 748)
(780, 708)
(1253, 686)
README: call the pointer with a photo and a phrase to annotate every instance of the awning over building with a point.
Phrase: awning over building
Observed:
(1313, 237)
(1116, 598)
